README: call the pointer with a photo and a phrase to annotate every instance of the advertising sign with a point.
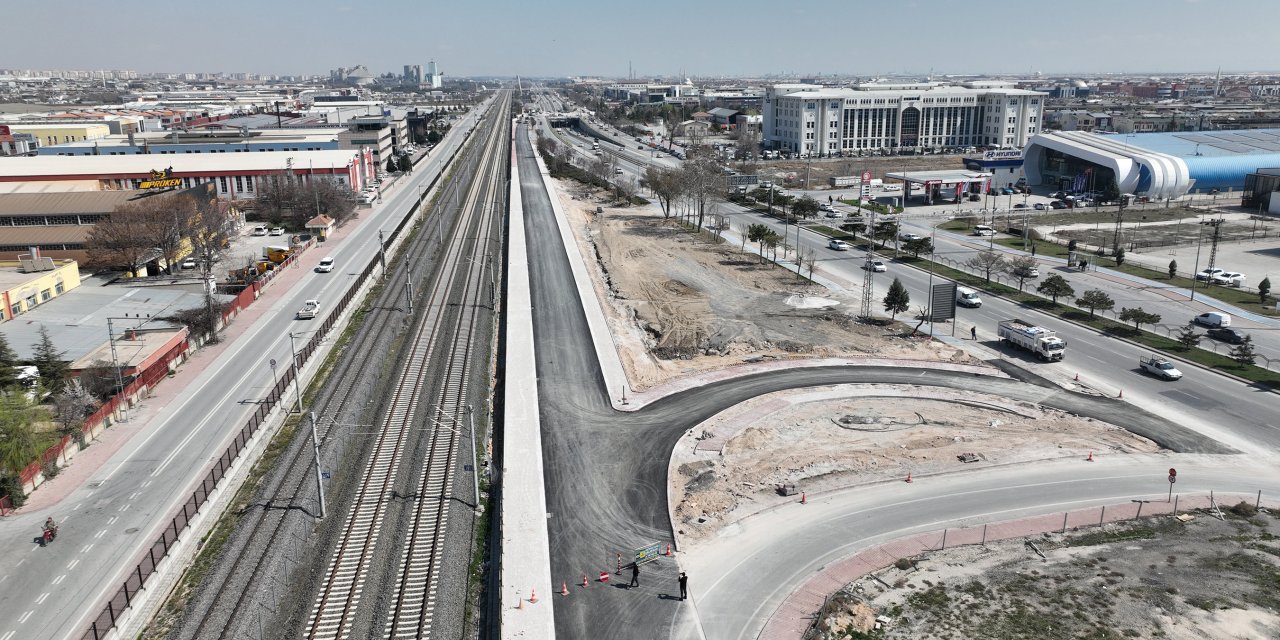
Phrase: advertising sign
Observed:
(942, 305)
(161, 180)
(1002, 154)
(648, 553)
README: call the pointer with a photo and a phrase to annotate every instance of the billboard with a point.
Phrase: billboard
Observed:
(1001, 154)
(161, 180)
(942, 303)
(648, 553)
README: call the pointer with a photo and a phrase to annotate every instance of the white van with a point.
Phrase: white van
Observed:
(983, 231)
(1213, 319)
(967, 297)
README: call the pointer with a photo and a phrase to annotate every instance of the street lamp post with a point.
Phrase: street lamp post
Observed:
(297, 389)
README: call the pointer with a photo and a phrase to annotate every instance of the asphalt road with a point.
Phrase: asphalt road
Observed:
(1239, 415)
(606, 471)
(107, 523)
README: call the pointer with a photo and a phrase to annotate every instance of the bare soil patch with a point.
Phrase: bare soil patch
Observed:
(833, 437)
(1154, 578)
(679, 302)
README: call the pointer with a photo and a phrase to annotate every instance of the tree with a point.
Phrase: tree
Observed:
(71, 407)
(703, 181)
(897, 299)
(985, 262)
(919, 246)
(1119, 256)
(1138, 317)
(1095, 299)
(46, 357)
(1056, 286)
(1264, 290)
(8, 365)
(1111, 192)
(98, 379)
(757, 233)
(805, 207)
(771, 242)
(405, 163)
(283, 197)
(1173, 269)
(1072, 244)
(392, 165)
(1188, 337)
(120, 240)
(1243, 353)
(884, 231)
(18, 442)
(666, 186)
(1020, 267)
(166, 225)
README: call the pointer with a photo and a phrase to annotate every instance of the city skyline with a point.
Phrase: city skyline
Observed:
(666, 38)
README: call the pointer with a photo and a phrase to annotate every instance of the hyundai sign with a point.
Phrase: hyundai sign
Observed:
(1001, 154)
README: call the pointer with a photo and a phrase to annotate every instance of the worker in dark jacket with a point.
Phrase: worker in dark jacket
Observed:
(635, 574)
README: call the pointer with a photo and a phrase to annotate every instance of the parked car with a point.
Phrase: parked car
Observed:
(1229, 279)
(875, 265)
(838, 245)
(1058, 204)
(1213, 319)
(1032, 272)
(1227, 335)
(189, 263)
(1039, 206)
(278, 231)
(1019, 206)
(1208, 274)
(259, 231)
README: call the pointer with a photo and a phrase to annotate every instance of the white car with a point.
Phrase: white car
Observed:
(325, 266)
(278, 231)
(259, 231)
(875, 265)
(838, 245)
(1228, 279)
(189, 263)
(908, 237)
(1208, 274)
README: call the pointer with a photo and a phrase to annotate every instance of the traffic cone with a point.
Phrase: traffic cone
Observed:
(804, 499)
(584, 580)
(1077, 377)
(1121, 393)
(1090, 458)
(519, 602)
(533, 596)
(619, 564)
(908, 476)
(564, 588)
(668, 551)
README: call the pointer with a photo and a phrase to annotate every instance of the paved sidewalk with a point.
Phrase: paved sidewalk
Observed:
(795, 615)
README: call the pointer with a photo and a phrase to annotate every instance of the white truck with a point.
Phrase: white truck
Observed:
(1160, 367)
(309, 310)
(1038, 340)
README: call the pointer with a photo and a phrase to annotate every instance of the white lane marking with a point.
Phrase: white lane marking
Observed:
(112, 519)
(78, 504)
(124, 508)
(59, 579)
(86, 548)
(25, 616)
(145, 484)
(71, 565)
(133, 495)
(20, 562)
(100, 534)
(7, 635)
(42, 598)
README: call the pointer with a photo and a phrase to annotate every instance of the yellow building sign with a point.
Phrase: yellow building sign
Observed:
(161, 180)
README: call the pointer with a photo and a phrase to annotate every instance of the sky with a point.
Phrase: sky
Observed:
(654, 38)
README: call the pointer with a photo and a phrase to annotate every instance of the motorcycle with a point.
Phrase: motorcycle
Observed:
(47, 535)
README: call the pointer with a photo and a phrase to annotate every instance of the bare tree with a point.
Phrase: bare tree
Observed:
(704, 181)
(120, 240)
(1021, 268)
(986, 262)
(284, 198)
(210, 235)
(166, 224)
(666, 186)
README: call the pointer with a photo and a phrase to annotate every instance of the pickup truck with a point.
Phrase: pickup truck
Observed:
(309, 310)
(1160, 368)
(1038, 340)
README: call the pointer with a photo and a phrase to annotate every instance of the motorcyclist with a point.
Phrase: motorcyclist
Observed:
(51, 527)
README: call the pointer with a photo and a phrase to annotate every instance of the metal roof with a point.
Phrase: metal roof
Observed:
(182, 163)
(63, 202)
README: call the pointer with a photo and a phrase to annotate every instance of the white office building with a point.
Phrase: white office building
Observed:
(822, 121)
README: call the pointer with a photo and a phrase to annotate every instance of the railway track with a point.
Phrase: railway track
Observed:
(445, 335)
(288, 509)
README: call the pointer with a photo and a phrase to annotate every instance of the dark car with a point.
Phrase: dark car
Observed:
(1058, 204)
(1227, 335)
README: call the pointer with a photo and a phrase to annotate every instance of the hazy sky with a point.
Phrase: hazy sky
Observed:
(658, 37)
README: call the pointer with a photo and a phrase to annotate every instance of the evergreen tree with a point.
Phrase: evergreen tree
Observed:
(53, 368)
(1095, 299)
(1056, 286)
(897, 300)
(1243, 353)
(1264, 290)
(8, 365)
(1187, 337)
(1173, 269)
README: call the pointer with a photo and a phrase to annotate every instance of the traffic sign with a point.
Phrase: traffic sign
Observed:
(1173, 473)
(1173, 479)
(744, 181)
(324, 474)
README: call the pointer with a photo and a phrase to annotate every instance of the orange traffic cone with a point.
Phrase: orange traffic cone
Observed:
(804, 498)
(908, 476)
(1090, 458)
(584, 580)
(668, 551)
(533, 596)
(564, 588)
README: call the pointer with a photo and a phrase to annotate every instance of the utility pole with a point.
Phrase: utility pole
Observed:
(315, 447)
(408, 288)
(475, 476)
(297, 390)
(864, 312)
